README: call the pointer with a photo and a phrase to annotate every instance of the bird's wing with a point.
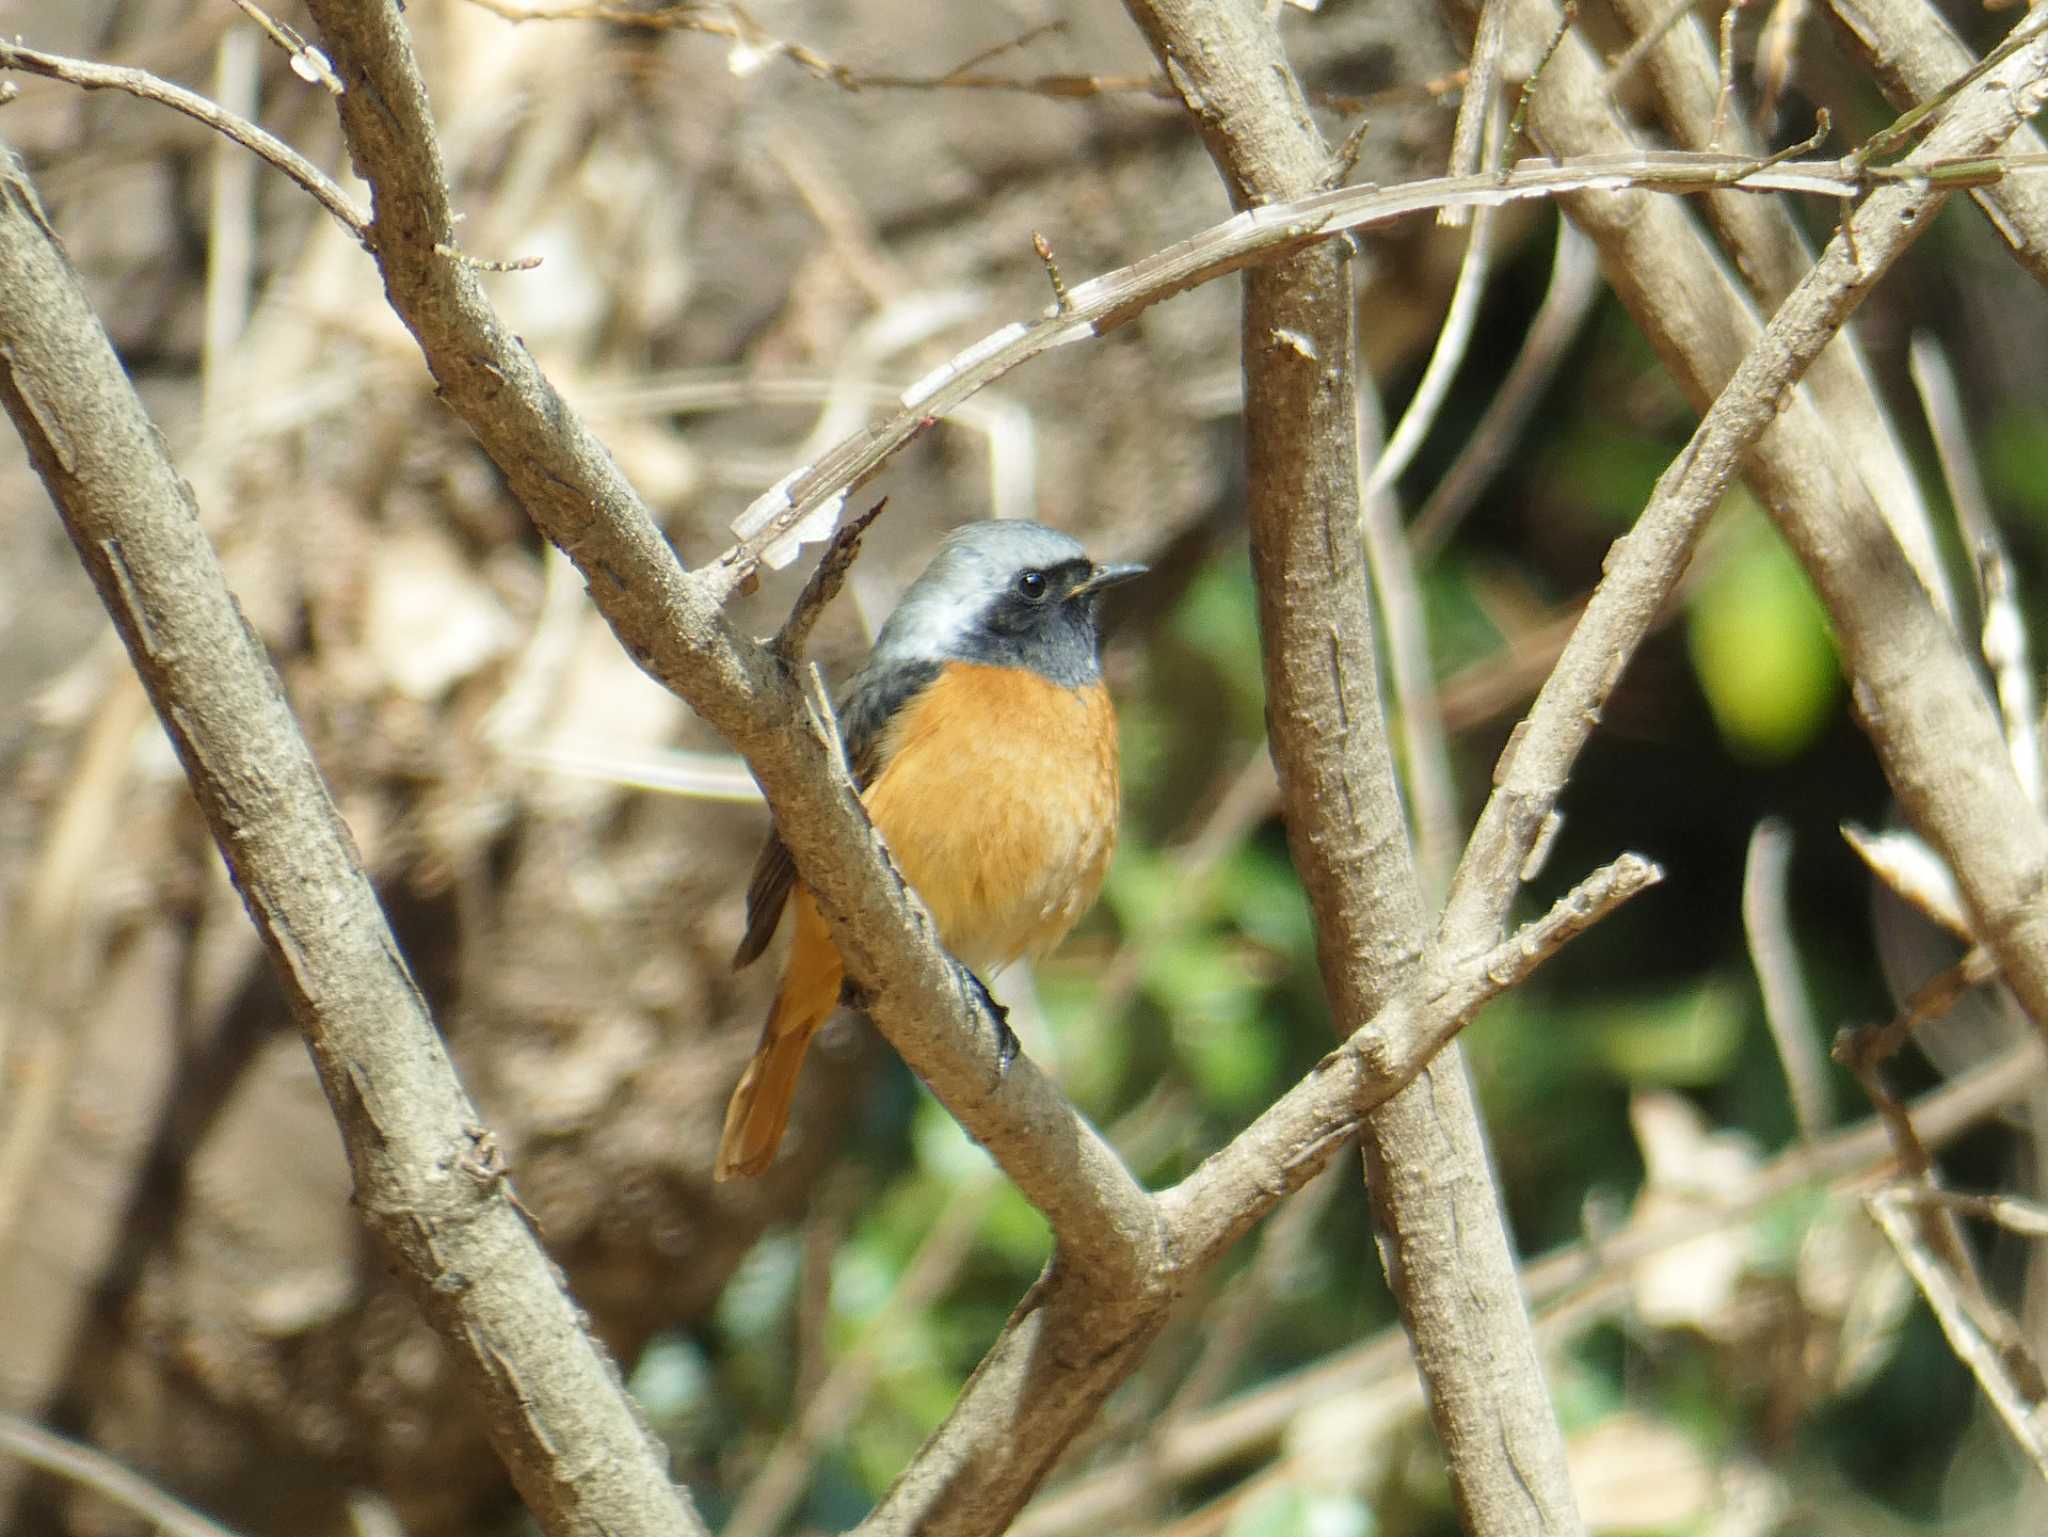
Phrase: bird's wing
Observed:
(871, 700)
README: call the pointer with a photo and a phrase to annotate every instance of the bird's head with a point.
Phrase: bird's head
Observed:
(1010, 594)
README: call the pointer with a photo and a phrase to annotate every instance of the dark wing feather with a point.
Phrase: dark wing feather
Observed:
(872, 697)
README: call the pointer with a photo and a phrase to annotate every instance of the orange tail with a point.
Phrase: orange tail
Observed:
(758, 1113)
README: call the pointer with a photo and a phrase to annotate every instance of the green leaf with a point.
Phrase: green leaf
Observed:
(1760, 645)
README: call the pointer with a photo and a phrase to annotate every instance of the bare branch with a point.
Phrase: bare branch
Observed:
(1294, 1138)
(1567, 300)
(671, 623)
(1483, 79)
(1771, 253)
(135, 82)
(1452, 340)
(308, 62)
(1425, 749)
(105, 1477)
(425, 1176)
(824, 584)
(1767, 923)
(2029, 1219)
(1569, 1287)
(1038, 1386)
(802, 506)
(2002, 637)
(1444, 1244)
(2016, 1410)
(1940, 743)
(1915, 54)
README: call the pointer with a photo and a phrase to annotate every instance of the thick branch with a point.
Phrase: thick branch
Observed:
(423, 1165)
(1445, 1245)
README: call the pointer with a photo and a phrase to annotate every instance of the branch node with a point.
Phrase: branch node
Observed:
(1568, 15)
(823, 585)
(1061, 303)
(485, 264)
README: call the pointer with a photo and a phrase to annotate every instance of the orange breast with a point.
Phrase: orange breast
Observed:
(998, 796)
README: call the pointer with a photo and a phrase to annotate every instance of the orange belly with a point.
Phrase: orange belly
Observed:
(998, 798)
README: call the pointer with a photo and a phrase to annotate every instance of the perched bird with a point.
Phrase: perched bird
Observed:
(985, 747)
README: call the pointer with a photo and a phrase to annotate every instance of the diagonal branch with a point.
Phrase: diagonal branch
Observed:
(426, 1175)
(1923, 707)
(1070, 1343)
(258, 141)
(1771, 254)
(671, 622)
(1915, 55)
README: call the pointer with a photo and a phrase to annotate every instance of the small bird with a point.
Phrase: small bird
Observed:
(985, 747)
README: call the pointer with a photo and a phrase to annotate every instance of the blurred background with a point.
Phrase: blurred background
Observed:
(755, 229)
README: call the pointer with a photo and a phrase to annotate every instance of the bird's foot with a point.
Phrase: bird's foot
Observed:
(1006, 1038)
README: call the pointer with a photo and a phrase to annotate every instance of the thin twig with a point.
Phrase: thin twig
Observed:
(1725, 95)
(1871, 1046)
(135, 82)
(1101, 304)
(1472, 131)
(1060, 303)
(105, 1477)
(1777, 51)
(2016, 1410)
(231, 225)
(2029, 1219)
(1453, 339)
(841, 551)
(1567, 17)
(1425, 749)
(1567, 300)
(1767, 922)
(2003, 637)
(308, 62)
(1864, 1053)
(755, 46)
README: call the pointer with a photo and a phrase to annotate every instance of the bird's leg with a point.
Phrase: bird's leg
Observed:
(1006, 1038)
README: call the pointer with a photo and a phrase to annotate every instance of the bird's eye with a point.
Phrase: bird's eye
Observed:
(1031, 584)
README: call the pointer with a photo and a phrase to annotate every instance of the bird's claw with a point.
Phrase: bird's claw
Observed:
(1006, 1038)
